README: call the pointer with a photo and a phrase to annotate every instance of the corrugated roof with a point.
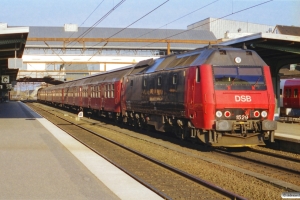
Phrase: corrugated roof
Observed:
(288, 30)
(58, 32)
(130, 33)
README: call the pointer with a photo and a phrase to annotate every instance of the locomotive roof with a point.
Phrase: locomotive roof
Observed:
(211, 54)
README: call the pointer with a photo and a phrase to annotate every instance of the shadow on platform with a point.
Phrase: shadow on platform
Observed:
(16, 109)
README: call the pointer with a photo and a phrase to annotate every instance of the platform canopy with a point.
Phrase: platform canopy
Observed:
(12, 44)
(276, 50)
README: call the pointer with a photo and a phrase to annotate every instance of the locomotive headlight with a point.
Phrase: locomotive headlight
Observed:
(264, 114)
(227, 114)
(256, 113)
(238, 60)
(219, 114)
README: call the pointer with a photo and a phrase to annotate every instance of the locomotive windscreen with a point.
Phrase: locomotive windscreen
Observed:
(239, 78)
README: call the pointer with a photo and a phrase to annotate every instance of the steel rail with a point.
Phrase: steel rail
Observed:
(275, 155)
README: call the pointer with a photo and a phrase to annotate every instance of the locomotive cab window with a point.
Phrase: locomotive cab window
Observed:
(239, 78)
(197, 75)
(174, 79)
(159, 80)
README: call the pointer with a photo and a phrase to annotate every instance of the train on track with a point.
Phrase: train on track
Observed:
(290, 100)
(220, 95)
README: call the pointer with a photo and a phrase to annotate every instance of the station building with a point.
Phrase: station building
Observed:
(230, 29)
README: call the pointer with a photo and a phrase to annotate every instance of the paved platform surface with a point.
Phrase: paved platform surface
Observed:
(288, 131)
(40, 161)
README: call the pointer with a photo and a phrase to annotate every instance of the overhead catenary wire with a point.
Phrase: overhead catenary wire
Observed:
(91, 13)
(170, 22)
(179, 18)
(95, 24)
(233, 13)
(151, 30)
(87, 17)
(98, 22)
(105, 40)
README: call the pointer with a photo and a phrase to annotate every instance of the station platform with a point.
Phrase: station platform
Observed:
(40, 161)
(287, 137)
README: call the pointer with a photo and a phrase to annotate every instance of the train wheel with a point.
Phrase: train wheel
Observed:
(180, 132)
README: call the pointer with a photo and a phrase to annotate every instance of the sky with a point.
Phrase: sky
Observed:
(173, 14)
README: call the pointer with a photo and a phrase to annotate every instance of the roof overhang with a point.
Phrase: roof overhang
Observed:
(12, 44)
(275, 49)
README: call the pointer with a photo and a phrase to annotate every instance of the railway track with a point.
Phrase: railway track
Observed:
(283, 171)
(275, 155)
(167, 181)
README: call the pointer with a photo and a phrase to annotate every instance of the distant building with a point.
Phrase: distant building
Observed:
(287, 30)
(224, 28)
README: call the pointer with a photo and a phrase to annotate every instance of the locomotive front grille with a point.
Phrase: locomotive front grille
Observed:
(244, 126)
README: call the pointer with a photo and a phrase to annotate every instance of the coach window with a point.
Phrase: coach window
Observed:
(174, 79)
(145, 83)
(197, 75)
(96, 91)
(159, 80)
(112, 87)
(99, 92)
(288, 93)
(108, 90)
(295, 93)
(131, 82)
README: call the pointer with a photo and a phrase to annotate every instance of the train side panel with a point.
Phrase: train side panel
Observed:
(290, 99)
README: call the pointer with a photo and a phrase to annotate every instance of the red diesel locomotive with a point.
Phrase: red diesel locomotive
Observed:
(221, 95)
(290, 100)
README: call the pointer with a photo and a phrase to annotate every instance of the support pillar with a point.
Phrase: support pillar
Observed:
(276, 84)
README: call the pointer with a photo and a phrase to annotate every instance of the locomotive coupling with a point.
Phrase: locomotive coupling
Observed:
(229, 125)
